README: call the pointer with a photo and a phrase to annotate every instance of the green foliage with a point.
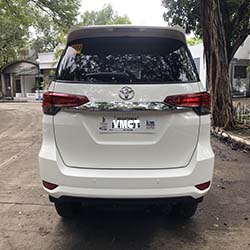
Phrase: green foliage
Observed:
(49, 22)
(235, 16)
(185, 13)
(194, 41)
(105, 16)
(49, 18)
(47, 35)
(52, 24)
(13, 31)
(61, 12)
(12, 43)
(248, 70)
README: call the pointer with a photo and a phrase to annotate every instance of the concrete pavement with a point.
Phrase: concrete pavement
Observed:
(29, 221)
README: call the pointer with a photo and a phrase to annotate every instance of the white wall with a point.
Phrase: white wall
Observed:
(27, 83)
(197, 52)
(47, 60)
(244, 50)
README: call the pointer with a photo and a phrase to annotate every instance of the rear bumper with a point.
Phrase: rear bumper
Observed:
(126, 184)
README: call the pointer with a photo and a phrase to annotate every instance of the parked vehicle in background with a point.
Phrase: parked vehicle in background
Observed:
(126, 120)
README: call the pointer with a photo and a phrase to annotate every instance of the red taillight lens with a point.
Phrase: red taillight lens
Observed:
(196, 100)
(203, 186)
(49, 185)
(52, 102)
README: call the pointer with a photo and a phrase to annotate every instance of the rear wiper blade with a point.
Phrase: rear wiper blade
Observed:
(109, 75)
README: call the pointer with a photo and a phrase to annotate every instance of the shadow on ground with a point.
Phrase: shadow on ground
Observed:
(102, 229)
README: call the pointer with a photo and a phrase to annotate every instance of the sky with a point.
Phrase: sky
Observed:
(140, 12)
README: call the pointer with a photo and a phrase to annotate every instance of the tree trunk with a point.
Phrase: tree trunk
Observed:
(215, 46)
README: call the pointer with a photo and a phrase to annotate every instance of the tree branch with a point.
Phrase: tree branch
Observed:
(240, 39)
(52, 15)
(241, 13)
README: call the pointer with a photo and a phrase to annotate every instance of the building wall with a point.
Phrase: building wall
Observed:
(47, 64)
(29, 84)
(19, 78)
(47, 60)
(240, 73)
(240, 77)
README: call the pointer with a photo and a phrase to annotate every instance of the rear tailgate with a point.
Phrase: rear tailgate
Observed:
(165, 139)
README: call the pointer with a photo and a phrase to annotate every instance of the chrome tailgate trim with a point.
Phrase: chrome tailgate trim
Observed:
(124, 106)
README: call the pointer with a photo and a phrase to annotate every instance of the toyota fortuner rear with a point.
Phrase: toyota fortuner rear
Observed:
(126, 119)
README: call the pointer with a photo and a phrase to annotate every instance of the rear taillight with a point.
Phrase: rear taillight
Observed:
(49, 185)
(52, 102)
(200, 102)
(203, 186)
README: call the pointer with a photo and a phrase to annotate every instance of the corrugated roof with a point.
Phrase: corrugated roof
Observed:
(17, 64)
(33, 70)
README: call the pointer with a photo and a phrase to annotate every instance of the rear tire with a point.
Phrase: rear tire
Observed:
(67, 209)
(184, 210)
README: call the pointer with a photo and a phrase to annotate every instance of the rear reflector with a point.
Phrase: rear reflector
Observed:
(203, 186)
(196, 100)
(49, 186)
(52, 102)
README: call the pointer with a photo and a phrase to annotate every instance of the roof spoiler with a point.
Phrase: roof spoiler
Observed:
(78, 33)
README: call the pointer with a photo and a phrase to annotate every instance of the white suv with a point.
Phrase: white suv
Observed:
(126, 120)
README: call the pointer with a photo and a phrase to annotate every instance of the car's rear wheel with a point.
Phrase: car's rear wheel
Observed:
(184, 210)
(67, 209)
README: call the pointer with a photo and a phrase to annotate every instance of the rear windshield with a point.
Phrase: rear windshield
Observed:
(130, 60)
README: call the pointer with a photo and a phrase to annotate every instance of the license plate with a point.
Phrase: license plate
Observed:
(122, 124)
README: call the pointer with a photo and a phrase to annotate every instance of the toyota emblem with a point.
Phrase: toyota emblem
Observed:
(126, 93)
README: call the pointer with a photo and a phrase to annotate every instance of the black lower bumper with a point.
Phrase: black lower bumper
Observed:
(137, 201)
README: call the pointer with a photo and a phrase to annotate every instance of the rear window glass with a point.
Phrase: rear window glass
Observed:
(130, 60)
